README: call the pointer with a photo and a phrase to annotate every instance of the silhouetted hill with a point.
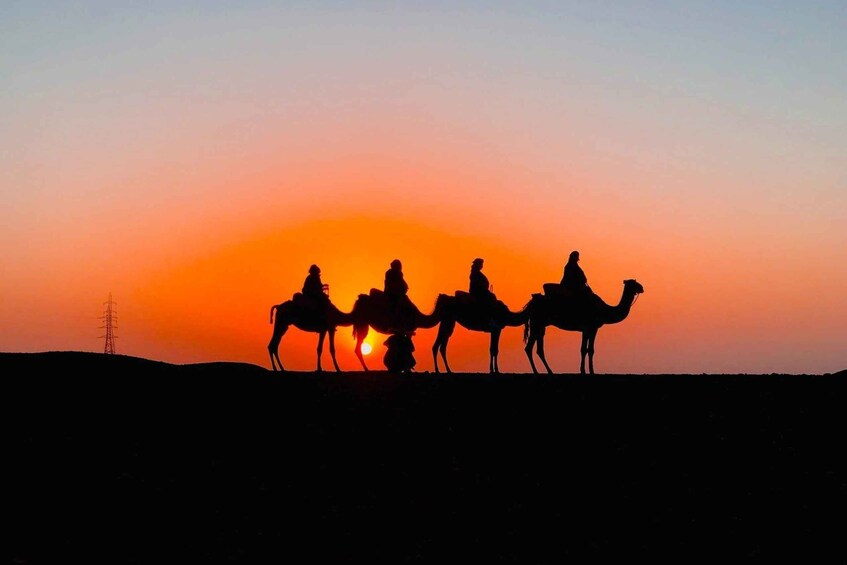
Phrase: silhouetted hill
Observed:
(87, 363)
(125, 460)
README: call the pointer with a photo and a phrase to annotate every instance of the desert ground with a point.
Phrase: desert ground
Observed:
(126, 460)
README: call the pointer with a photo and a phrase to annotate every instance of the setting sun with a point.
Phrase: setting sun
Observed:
(366, 348)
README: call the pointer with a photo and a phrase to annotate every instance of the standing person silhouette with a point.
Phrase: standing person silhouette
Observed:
(574, 280)
(395, 290)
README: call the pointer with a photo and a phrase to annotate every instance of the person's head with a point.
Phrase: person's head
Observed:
(574, 256)
(396, 265)
(477, 264)
(314, 270)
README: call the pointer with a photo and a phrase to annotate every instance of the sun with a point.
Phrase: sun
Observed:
(366, 348)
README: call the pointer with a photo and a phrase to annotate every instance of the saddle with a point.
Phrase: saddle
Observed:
(484, 308)
(379, 298)
(563, 296)
(556, 290)
(400, 312)
(308, 303)
(464, 297)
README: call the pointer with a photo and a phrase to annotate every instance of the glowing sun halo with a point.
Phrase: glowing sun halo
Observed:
(366, 348)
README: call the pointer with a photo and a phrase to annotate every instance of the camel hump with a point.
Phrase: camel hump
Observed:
(375, 292)
(463, 294)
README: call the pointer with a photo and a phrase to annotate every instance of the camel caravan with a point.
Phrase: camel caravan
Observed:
(569, 305)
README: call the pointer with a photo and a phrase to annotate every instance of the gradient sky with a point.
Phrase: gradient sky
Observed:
(194, 158)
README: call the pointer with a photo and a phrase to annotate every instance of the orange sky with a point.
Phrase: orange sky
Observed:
(197, 180)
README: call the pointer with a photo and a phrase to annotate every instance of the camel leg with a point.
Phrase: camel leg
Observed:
(583, 349)
(361, 334)
(320, 348)
(276, 362)
(540, 350)
(332, 349)
(530, 342)
(444, 356)
(445, 330)
(273, 346)
(493, 351)
(589, 348)
(435, 345)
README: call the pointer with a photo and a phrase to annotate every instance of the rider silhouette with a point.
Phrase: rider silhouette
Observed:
(395, 291)
(314, 289)
(480, 290)
(479, 286)
(574, 280)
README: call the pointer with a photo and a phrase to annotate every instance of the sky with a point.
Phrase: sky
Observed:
(193, 159)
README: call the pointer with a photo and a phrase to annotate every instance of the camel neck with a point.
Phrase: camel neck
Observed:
(618, 313)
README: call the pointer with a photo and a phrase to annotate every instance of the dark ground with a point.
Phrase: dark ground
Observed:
(117, 459)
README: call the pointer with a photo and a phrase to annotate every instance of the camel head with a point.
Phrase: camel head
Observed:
(633, 286)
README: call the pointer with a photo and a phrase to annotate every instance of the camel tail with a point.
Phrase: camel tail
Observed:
(274, 307)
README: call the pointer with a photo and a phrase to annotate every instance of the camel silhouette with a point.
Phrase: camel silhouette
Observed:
(473, 316)
(372, 311)
(307, 319)
(586, 317)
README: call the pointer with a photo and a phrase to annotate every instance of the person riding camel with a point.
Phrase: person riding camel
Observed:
(314, 290)
(395, 291)
(479, 286)
(480, 290)
(574, 282)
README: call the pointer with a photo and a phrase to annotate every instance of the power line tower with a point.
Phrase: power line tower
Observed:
(110, 318)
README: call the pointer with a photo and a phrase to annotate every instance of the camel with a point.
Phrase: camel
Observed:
(587, 318)
(308, 319)
(462, 309)
(370, 311)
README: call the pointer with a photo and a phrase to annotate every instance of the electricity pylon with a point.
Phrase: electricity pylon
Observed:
(110, 318)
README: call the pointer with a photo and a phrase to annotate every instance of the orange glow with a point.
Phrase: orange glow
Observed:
(199, 189)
